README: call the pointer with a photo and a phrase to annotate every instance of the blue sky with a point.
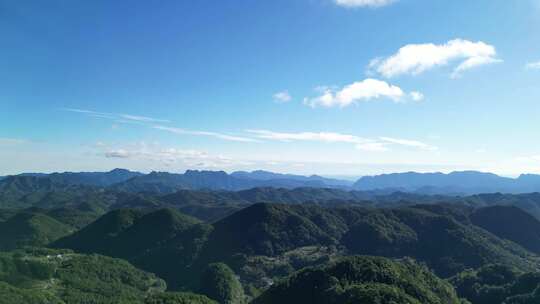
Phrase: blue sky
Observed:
(335, 87)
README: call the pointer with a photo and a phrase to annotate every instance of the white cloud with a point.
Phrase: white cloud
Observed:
(373, 147)
(204, 133)
(328, 137)
(471, 63)
(153, 153)
(282, 97)
(93, 113)
(363, 3)
(416, 96)
(533, 65)
(409, 143)
(417, 58)
(126, 118)
(120, 153)
(147, 121)
(365, 144)
(142, 118)
(365, 90)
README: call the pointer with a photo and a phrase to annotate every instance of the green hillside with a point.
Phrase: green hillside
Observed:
(47, 276)
(498, 284)
(266, 229)
(362, 279)
(448, 245)
(165, 241)
(177, 235)
(30, 229)
(510, 223)
(99, 237)
(269, 241)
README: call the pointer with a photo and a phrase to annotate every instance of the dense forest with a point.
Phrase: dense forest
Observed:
(126, 237)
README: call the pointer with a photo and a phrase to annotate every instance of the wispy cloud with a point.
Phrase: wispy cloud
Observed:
(416, 96)
(93, 113)
(328, 137)
(366, 90)
(142, 118)
(415, 59)
(408, 143)
(150, 122)
(282, 97)
(117, 117)
(533, 65)
(373, 147)
(154, 153)
(381, 144)
(204, 133)
(363, 3)
(118, 153)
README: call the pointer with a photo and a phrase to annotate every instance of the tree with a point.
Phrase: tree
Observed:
(221, 284)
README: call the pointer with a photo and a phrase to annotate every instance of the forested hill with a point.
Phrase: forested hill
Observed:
(44, 276)
(261, 244)
(264, 243)
(209, 205)
(269, 241)
(362, 280)
(444, 237)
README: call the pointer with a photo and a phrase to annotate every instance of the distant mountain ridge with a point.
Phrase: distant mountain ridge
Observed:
(99, 179)
(266, 175)
(166, 182)
(455, 183)
(459, 182)
(211, 195)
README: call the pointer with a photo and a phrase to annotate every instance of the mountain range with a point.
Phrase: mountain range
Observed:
(264, 244)
(464, 182)
(25, 191)
(266, 241)
(454, 183)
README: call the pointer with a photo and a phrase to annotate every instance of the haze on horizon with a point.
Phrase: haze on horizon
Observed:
(328, 87)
